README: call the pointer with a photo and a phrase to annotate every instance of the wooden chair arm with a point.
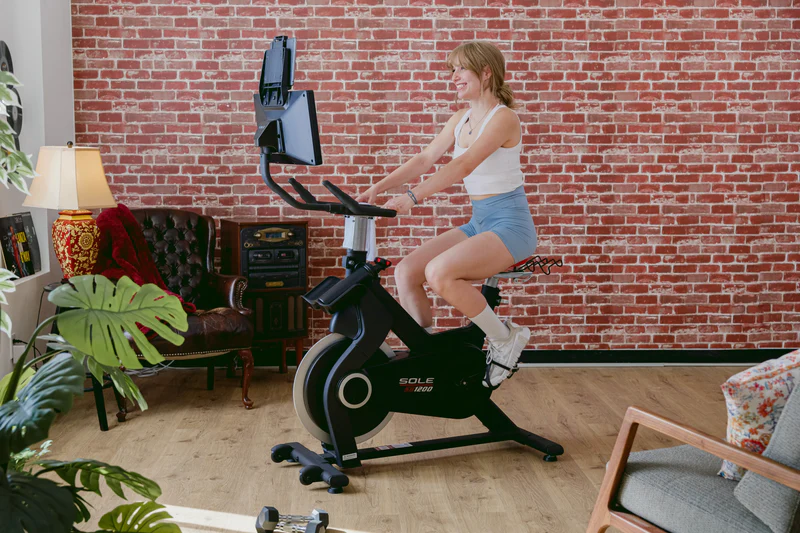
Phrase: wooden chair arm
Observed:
(754, 462)
(636, 416)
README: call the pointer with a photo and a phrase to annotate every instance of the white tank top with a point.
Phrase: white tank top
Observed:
(499, 173)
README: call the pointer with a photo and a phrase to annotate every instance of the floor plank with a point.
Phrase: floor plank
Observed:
(210, 455)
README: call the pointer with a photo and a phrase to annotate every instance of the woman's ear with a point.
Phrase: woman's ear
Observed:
(486, 76)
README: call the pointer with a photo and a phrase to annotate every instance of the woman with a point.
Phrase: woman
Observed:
(488, 140)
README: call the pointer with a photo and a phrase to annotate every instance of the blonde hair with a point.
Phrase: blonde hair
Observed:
(475, 56)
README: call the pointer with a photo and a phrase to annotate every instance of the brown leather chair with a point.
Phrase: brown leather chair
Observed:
(182, 244)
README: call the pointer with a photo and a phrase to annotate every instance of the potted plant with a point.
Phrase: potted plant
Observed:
(93, 329)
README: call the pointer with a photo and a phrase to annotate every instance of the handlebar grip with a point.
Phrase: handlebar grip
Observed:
(355, 207)
(304, 193)
(348, 205)
(343, 197)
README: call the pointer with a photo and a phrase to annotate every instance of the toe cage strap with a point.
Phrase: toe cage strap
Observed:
(504, 367)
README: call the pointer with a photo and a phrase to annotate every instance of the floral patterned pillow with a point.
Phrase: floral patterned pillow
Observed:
(755, 399)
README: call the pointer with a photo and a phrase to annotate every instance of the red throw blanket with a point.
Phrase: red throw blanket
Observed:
(124, 251)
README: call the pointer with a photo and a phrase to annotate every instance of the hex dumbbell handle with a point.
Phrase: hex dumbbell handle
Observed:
(317, 514)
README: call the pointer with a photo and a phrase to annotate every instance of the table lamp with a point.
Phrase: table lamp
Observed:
(71, 179)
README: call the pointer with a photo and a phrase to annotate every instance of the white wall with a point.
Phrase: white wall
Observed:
(39, 35)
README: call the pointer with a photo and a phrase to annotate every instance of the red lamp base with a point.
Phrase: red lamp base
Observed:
(76, 239)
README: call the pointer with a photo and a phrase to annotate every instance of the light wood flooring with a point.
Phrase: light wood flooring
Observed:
(210, 455)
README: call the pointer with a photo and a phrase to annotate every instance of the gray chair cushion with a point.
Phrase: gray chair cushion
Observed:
(678, 490)
(775, 504)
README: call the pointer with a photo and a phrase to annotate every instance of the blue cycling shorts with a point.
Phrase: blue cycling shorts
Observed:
(507, 215)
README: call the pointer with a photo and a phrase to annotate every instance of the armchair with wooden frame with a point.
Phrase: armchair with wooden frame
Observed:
(182, 244)
(694, 481)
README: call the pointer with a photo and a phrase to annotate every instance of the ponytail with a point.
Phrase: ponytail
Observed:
(506, 96)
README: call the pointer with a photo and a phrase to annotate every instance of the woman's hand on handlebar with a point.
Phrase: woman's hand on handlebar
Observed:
(402, 204)
(369, 196)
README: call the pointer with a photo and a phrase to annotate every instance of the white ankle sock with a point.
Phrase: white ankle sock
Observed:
(491, 325)
(429, 329)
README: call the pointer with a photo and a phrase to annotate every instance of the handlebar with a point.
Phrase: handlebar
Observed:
(347, 205)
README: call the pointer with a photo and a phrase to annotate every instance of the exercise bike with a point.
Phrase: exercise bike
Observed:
(351, 382)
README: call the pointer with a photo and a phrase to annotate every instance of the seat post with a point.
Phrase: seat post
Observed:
(356, 235)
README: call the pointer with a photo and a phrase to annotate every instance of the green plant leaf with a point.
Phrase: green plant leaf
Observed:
(9, 97)
(5, 127)
(139, 517)
(19, 461)
(5, 323)
(24, 379)
(122, 382)
(7, 142)
(23, 164)
(30, 504)
(92, 471)
(9, 79)
(26, 160)
(50, 392)
(19, 182)
(3, 111)
(7, 275)
(107, 313)
(82, 513)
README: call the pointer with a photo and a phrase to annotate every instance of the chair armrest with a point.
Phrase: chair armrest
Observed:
(636, 416)
(227, 291)
(754, 462)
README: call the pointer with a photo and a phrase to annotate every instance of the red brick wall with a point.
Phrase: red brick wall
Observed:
(661, 142)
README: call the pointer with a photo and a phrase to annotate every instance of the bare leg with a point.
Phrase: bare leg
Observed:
(451, 273)
(410, 275)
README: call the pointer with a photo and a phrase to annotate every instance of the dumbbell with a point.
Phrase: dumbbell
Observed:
(269, 519)
(317, 515)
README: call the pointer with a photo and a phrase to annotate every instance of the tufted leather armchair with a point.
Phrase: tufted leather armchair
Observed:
(182, 245)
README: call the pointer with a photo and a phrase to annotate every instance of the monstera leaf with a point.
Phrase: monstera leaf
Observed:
(122, 381)
(34, 504)
(27, 421)
(24, 379)
(107, 312)
(92, 471)
(140, 517)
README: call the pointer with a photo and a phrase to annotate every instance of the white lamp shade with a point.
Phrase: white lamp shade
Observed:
(69, 178)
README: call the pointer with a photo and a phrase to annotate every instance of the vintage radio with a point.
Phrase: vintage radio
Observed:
(272, 255)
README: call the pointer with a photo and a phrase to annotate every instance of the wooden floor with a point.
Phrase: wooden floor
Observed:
(208, 453)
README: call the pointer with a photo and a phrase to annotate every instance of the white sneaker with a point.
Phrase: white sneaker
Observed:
(504, 355)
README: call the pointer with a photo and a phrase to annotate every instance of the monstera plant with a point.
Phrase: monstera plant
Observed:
(98, 314)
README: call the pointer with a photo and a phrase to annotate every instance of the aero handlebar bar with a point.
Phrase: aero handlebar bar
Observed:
(347, 205)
